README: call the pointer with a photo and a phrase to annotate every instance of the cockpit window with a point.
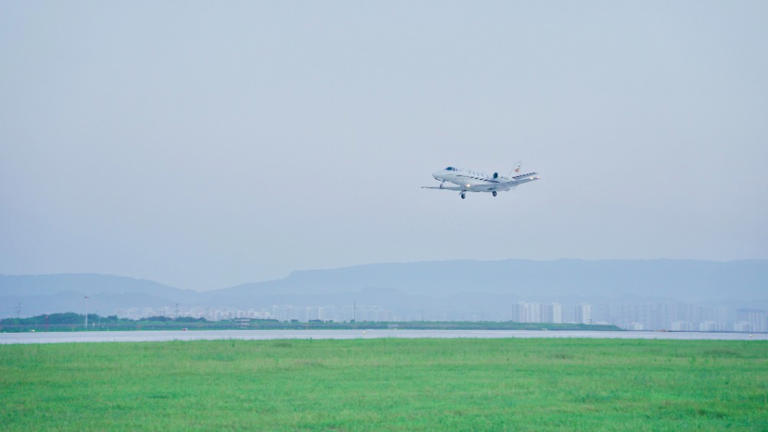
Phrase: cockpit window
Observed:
(450, 169)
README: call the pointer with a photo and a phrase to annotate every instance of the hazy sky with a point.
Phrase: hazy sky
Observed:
(204, 144)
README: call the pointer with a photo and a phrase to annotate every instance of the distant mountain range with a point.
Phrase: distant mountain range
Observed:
(445, 285)
(33, 295)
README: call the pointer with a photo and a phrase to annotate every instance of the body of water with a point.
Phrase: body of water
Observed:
(159, 336)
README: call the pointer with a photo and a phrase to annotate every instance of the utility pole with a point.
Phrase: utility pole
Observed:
(354, 310)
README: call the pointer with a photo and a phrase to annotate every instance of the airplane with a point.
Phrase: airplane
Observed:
(473, 181)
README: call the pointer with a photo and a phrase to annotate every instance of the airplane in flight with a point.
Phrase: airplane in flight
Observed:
(473, 181)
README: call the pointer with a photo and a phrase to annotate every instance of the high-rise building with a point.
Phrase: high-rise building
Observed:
(557, 313)
(583, 313)
(681, 326)
(742, 326)
(757, 319)
(531, 312)
(546, 313)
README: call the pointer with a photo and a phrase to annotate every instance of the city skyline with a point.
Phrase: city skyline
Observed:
(651, 316)
(658, 294)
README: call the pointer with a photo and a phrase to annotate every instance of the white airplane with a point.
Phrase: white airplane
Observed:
(473, 181)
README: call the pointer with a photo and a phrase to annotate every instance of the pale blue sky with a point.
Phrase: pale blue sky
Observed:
(204, 144)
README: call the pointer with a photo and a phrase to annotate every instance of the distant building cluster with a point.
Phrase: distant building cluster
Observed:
(278, 312)
(644, 316)
(683, 317)
(531, 312)
(650, 316)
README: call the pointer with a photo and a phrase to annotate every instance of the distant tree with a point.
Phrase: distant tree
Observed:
(62, 318)
(189, 319)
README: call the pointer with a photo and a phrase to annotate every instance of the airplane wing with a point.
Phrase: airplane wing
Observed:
(523, 178)
(521, 181)
(450, 188)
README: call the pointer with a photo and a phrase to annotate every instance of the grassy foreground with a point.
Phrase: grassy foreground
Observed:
(386, 384)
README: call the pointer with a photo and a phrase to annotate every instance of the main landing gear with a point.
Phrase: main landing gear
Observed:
(463, 195)
(493, 193)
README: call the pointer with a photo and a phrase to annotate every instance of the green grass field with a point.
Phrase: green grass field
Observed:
(386, 384)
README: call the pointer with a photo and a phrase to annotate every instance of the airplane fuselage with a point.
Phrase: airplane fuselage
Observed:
(463, 181)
